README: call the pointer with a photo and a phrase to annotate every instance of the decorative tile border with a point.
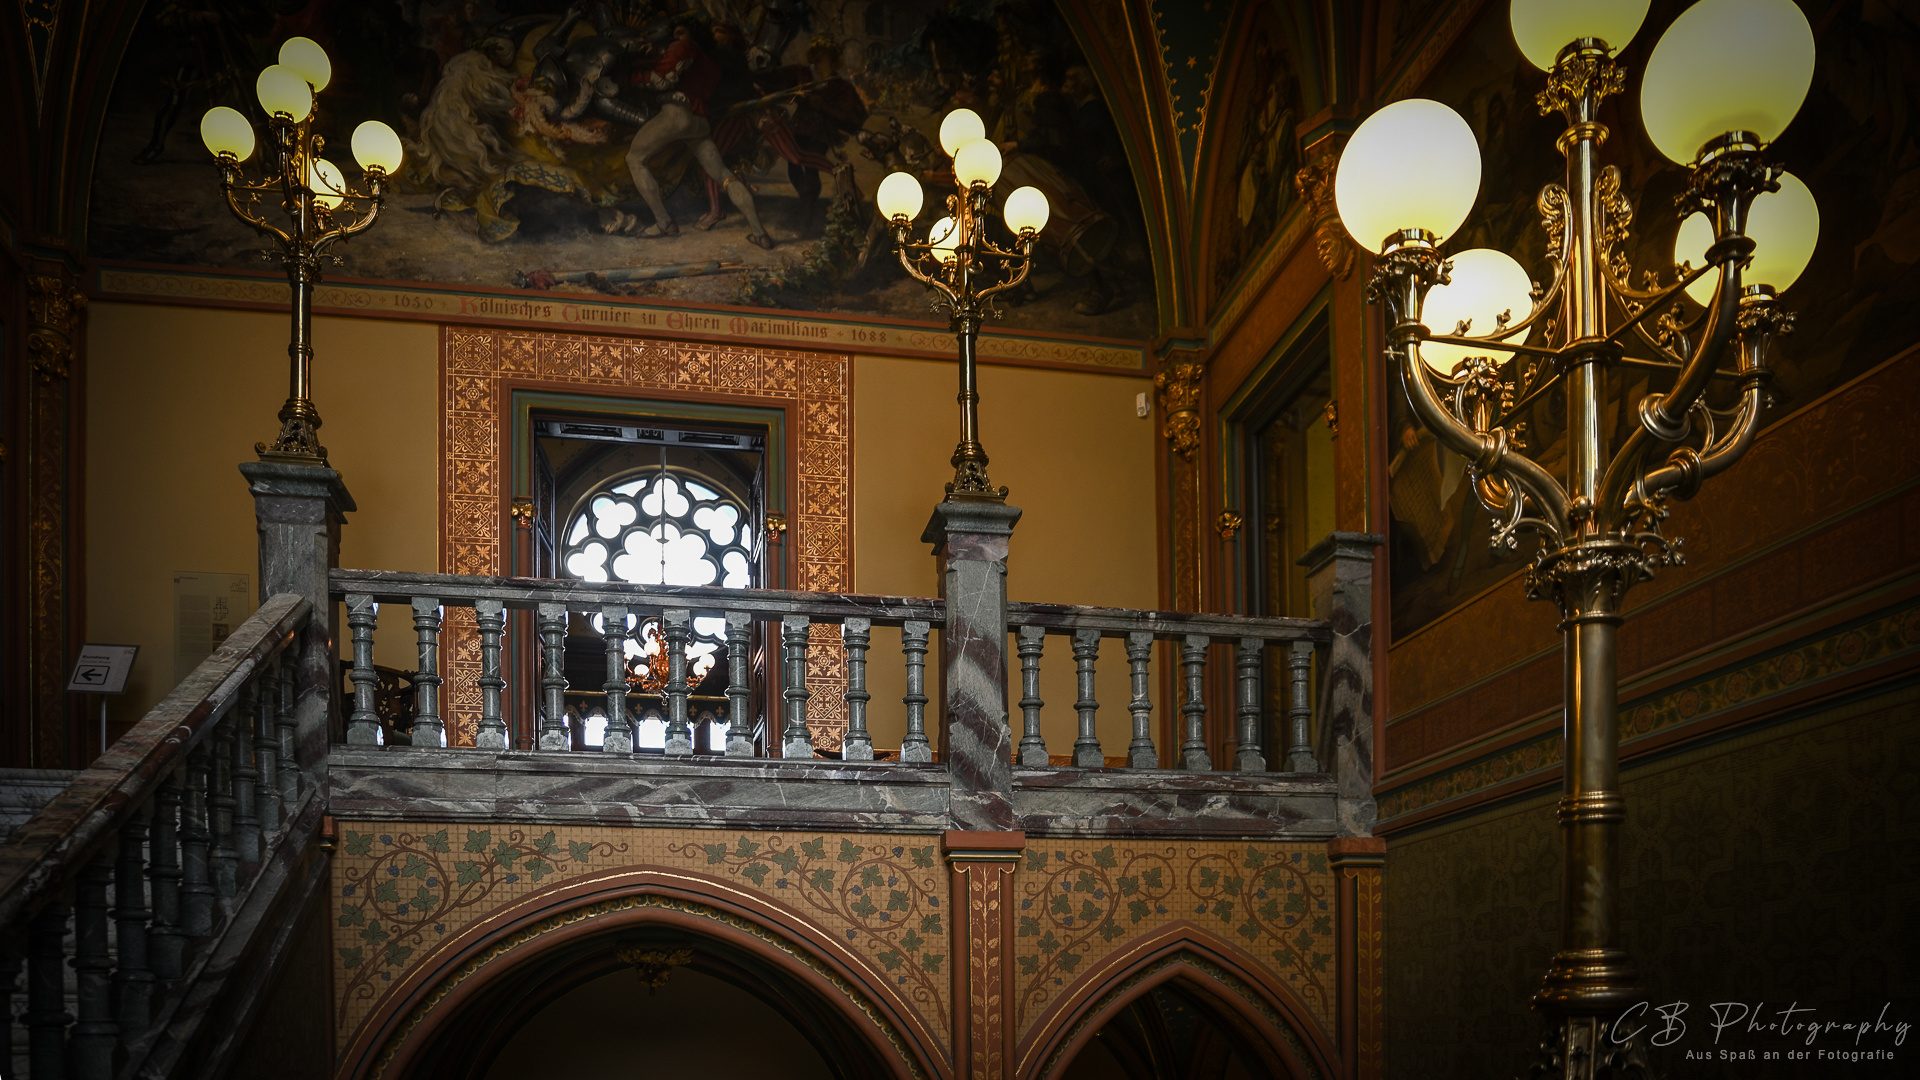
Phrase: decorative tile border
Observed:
(1839, 651)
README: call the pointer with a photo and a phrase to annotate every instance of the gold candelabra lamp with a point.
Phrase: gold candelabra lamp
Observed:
(321, 207)
(964, 268)
(1477, 346)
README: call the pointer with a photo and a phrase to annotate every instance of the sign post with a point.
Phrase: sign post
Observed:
(102, 670)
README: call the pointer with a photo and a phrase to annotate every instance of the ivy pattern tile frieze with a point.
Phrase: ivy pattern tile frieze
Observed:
(1078, 902)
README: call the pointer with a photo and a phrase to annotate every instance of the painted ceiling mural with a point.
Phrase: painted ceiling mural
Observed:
(540, 155)
(1856, 144)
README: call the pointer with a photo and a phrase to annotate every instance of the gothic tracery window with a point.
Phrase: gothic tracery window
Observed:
(662, 525)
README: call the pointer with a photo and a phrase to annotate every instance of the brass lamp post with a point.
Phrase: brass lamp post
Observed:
(1724, 80)
(320, 205)
(964, 268)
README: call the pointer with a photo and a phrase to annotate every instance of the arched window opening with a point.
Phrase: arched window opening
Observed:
(650, 505)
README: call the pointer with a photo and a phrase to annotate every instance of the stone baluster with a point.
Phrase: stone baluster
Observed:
(795, 740)
(1140, 751)
(1246, 660)
(914, 747)
(428, 730)
(552, 628)
(1300, 671)
(490, 618)
(94, 1034)
(286, 725)
(1086, 746)
(224, 860)
(856, 633)
(167, 941)
(739, 729)
(133, 973)
(266, 758)
(246, 822)
(1033, 746)
(47, 1017)
(613, 633)
(363, 724)
(675, 627)
(196, 879)
(1193, 662)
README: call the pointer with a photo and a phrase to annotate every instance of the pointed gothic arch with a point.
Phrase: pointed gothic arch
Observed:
(445, 1000)
(1268, 1019)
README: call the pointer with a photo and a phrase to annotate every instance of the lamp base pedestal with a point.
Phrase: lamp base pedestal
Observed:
(1592, 1048)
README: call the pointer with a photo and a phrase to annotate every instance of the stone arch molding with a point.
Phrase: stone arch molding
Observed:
(429, 998)
(1235, 985)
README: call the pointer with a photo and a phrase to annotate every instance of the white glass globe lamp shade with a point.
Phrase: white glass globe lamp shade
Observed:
(1726, 65)
(326, 182)
(1543, 27)
(1485, 285)
(1784, 226)
(977, 162)
(1026, 209)
(226, 131)
(283, 90)
(1412, 165)
(375, 146)
(945, 238)
(900, 196)
(305, 56)
(960, 127)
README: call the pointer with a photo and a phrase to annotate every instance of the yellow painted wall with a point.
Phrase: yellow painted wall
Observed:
(176, 398)
(1079, 463)
(179, 395)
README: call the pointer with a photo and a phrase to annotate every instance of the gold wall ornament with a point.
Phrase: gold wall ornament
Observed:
(776, 528)
(1332, 415)
(1178, 388)
(655, 966)
(1228, 524)
(1314, 182)
(53, 307)
(522, 512)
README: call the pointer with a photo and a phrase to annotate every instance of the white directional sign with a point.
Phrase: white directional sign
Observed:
(102, 669)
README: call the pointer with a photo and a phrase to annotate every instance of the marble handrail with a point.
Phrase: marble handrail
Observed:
(166, 836)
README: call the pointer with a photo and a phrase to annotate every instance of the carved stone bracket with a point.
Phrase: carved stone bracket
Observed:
(1314, 181)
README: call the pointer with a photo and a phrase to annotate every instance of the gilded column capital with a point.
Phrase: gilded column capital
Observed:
(53, 307)
(1178, 389)
(1314, 182)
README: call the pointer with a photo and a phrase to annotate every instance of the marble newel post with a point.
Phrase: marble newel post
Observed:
(300, 509)
(971, 536)
(1340, 580)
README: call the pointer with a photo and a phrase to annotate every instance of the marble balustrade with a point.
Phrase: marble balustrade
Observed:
(135, 875)
(773, 717)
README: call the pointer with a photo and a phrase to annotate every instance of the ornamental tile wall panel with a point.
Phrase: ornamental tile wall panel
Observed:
(1079, 901)
(401, 890)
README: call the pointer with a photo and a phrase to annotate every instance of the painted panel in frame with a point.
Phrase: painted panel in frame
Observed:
(711, 151)
(1855, 143)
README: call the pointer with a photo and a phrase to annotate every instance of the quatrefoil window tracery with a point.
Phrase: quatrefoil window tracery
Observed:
(664, 527)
